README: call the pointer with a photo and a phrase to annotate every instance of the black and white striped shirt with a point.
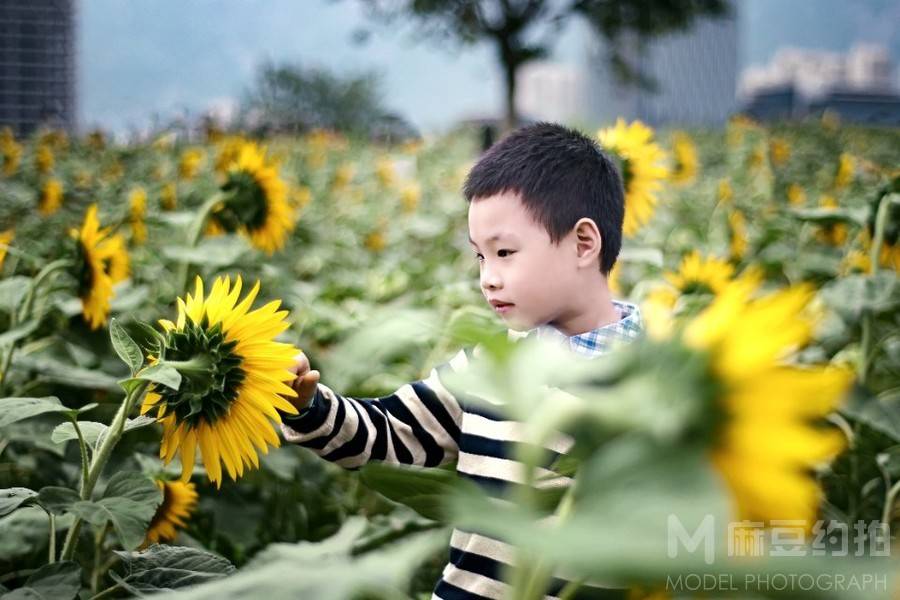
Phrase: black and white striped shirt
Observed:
(423, 424)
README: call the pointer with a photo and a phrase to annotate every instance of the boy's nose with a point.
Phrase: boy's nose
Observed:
(489, 281)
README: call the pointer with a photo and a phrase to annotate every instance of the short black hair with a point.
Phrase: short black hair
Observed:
(561, 176)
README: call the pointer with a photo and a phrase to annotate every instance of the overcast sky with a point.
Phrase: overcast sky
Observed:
(144, 57)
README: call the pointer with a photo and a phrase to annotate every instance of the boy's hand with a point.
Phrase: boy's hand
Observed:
(304, 383)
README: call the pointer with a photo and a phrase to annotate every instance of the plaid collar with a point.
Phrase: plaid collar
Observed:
(597, 341)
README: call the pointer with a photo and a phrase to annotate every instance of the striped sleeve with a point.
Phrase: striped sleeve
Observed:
(418, 424)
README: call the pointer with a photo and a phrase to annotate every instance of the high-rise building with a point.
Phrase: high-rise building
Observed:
(37, 64)
(695, 72)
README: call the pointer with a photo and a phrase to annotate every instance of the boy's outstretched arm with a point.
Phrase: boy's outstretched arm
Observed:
(418, 424)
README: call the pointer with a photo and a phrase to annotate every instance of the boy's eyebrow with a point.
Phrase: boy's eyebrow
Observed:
(496, 236)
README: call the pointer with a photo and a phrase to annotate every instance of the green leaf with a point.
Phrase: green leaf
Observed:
(852, 295)
(329, 571)
(56, 371)
(13, 498)
(162, 374)
(162, 568)
(125, 347)
(56, 581)
(423, 490)
(17, 333)
(129, 502)
(832, 216)
(18, 409)
(12, 290)
(93, 432)
(212, 252)
(56, 499)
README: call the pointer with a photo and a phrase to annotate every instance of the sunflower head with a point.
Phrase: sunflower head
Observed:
(101, 261)
(190, 163)
(844, 172)
(178, 503)
(724, 192)
(779, 151)
(137, 210)
(640, 164)
(5, 238)
(255, 201)
(168, 196)
(737, 235)
(686, 162)
(796, 196)
(51, 197)
(233, 377)
(44, 159)
(771, 432)
(409, 197)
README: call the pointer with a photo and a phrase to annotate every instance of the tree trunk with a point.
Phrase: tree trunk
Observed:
(511, 117)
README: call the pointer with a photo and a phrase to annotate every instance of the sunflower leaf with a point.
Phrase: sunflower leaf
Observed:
(420, 489)
(129, 503)
(164, 568)
(125, 347)
(56, 499)
(17, 333)
(18, 409)
(13, 498)
(59, 581)
(162, 374)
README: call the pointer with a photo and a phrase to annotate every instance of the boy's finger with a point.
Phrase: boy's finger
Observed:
(301, 364)
(306, 386)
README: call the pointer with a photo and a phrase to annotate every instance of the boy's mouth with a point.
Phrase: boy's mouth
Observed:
(500, 306)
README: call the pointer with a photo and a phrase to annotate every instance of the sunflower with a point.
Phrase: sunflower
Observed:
(642, 173)
(44, 159)
(51, 197)
(686, 163)
(342, 177)
(795, 194)
(12, 155)
(102, 261)
(255, 203)
(178, 503)
(695, 275)
(737, 234)
(844, 173)
(724, 192)
(189, 165)
(766, 440)
(779, 151)
(385, 171)
(409, 197)
(229, 150)
(137, 210)
(233, 372)
(168, 196)
(833, 234)
(5, 238)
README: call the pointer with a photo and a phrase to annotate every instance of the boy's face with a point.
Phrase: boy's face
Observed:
(522, 267)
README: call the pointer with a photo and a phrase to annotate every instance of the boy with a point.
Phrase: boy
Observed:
(545, 222)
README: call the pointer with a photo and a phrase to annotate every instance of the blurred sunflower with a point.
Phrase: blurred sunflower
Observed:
(5, 238)
(385, 171)
(102, 260)
(189, 165)
(844, 173)
(301, 196)
(51, 197)
(796, 196)
(409, 197)
(724, 192)
(232, 374)
(168, 196)
(342, 177)
(96, 140)
(44, 159)
(255, 202)
(229, 149)
(766, 439)
(178, 503)
(137, 210)
(779, 151)
(695, 275)
(737, 234)
(833, 234)
(686, 162)
(12, 154)
(640, 165)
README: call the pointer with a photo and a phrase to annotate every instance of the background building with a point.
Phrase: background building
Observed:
(37, 64)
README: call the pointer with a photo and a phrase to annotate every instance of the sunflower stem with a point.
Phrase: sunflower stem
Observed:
(19, 316)
(868, 349)
(194, 234)
(101, 456)
(51, 548)
(196, 364)
(889, 501)
(85, 463)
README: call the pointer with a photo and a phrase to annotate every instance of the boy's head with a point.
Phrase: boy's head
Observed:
(557, 202)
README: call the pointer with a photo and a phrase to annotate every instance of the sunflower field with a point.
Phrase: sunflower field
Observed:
(153, 298)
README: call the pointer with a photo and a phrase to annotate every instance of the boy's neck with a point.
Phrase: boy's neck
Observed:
(594, 309)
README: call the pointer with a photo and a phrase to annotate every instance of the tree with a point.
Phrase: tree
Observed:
(523, 30)
(292, 98)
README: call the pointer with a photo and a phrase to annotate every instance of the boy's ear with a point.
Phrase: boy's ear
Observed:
(588, 241)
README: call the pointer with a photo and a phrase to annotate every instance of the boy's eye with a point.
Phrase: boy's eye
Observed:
(501, 255)
(478, 256)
